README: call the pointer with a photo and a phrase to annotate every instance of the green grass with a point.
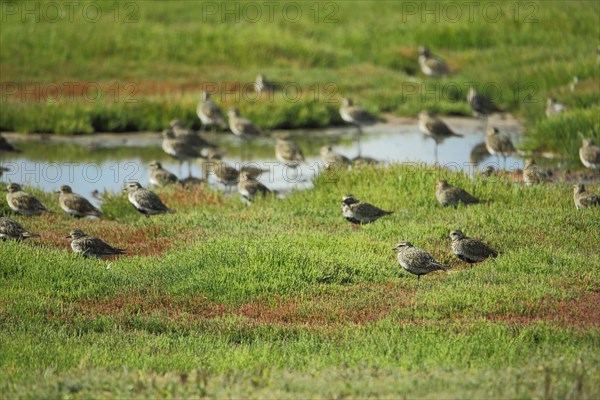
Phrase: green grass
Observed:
(286, 299)
(164, 56)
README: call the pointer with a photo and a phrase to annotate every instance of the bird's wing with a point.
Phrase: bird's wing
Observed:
(80, 203)
(590, 199)
(361, 115)
(28, 202)
(439, 127)
(368, 210)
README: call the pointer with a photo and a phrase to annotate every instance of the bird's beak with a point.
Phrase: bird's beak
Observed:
(394, 248)
(68, 237)
(125, 189)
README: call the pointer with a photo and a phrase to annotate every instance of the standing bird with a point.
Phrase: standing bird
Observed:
(22, 202)
(532, 174)
(288, 152)
(11, 229)
(160, 176)
(589, 154)
(145, 201)
(417, 261)
(470, 250)
(180, 149)
(75, 205)
(263, 85)
(584, 199)
(250, 188)
(358, 117)
(355, 115)
(499, 144)
(209, 113)
(227, 174)
(554, 108)
(190, 137)
(242, 127)
(360, 212)
(435, 128)
(332, 158)
(89, 246)
(430, 65)
(480, 104)
(449, 195)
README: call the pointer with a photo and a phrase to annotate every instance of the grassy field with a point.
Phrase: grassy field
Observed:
(285, 299)
(138, 65)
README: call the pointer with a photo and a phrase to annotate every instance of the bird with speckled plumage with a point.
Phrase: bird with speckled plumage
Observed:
(468, 249)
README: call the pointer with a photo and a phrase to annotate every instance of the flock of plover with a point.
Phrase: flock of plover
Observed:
(186, 145)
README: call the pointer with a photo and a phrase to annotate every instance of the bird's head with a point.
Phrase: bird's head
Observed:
(456, 235)
(13, 187)
(75, 234)
(349, 199)
(154, 165)
(65, 189)
(403, 245)
(132, 186)
(580, 188)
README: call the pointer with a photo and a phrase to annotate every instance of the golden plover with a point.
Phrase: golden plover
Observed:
(435, 128)
(360, 212)
(470, 250)
(449, 195)
(22, 202)
(355, 115)
(553, 107)
(589, 154)
(160, 176)
(242, 127)
(532, 174)
(430, 65)
(263, 85)
(250, 188)
(75, 205)
(190, 137)
(209, 113)
(499, 144)
(11, 229)
(89, 246)
(417, 261)
(332, 158)
(288, 152)
(480, 104)
(145, 201)
(584, 199)
(180, 149)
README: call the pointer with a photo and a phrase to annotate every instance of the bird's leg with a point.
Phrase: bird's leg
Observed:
(180, 168)
(435, 152)
(358, 141)
(189, 168)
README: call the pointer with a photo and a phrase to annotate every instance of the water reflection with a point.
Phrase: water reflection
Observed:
(105, 162)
